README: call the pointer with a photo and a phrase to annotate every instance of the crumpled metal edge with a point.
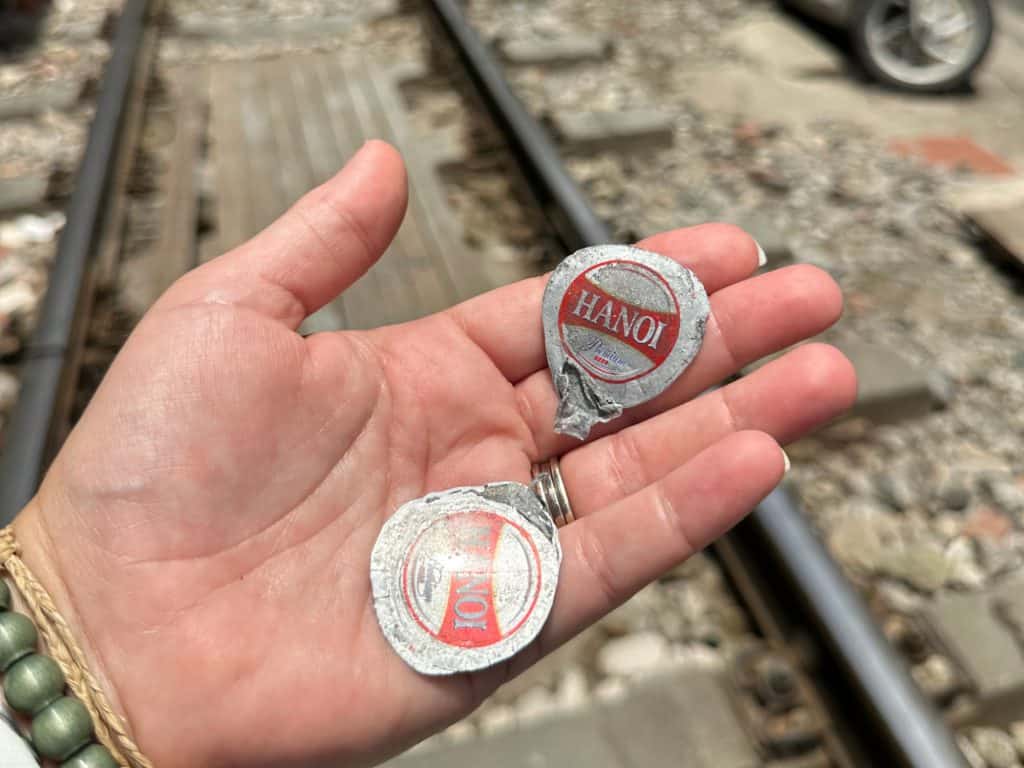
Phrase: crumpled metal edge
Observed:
(580, 406)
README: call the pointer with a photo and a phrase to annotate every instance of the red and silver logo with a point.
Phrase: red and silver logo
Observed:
(619, 320)
(472, 579)
(620, 325)
(465, 578)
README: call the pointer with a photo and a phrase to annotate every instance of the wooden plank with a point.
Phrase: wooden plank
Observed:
(148, 275)
(228, 150)
(324, 159)
(362, 302)
(283, 125)
(399, 300)
(407, 261)
(266, 201)
(422, 263)
(294, 171)
(463, 268)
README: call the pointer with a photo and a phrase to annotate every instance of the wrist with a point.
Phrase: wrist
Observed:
(50, 563)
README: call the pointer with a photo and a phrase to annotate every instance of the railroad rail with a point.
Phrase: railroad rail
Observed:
(796, 593)
(50, 361)
(775, 553)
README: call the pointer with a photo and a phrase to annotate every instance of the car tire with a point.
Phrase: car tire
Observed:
(859, 23)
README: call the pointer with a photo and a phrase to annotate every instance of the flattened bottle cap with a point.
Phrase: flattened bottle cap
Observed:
(620, 325)
(465, 579)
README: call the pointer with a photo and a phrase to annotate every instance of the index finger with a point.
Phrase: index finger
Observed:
(506, 323)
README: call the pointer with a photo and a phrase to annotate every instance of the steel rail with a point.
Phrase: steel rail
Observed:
(911, 731)
(28, 442)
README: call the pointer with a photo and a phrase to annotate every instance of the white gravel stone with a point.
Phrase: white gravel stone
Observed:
(611, 689)
(460, 732)
(498, 719)
(643, 653)
(17, 299)
(962, 560)
(638, 613)
(995, 747)
(573, 692)
(535, 705)
(1017, 734)
(935, 675)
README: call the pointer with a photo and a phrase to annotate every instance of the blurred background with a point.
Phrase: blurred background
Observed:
(881, 141)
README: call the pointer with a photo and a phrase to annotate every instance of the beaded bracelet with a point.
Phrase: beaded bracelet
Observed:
(34, 685)
(80, 731)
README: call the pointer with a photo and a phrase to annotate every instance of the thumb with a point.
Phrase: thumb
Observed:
(317, 249)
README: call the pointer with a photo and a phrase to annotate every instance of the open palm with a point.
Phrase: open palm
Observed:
(207, 526)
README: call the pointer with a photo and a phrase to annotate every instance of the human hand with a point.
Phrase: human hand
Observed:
(207, 527)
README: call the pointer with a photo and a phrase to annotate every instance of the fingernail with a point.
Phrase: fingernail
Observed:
(762, 258)
(787, 464)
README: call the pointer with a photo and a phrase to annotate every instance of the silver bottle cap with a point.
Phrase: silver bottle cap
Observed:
(620, 325)
(465, 578)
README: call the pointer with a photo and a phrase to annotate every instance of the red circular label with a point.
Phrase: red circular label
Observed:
(471, 579)
(618, 320)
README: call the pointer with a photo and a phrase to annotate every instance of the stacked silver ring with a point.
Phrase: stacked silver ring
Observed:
(547, 484)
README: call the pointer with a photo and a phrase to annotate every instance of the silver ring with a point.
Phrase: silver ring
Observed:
(550, 488)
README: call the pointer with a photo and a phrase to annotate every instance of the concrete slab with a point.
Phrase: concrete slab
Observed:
(785, 74)
(1004, 228)
(783, 48)
(687, 714)
(572, 741)
(558, 52)
(993, 193)
(200, 25)
(772, 238)
(18, 194)
(56, 96)
(889, 389)
(982, 632)
(639, 129)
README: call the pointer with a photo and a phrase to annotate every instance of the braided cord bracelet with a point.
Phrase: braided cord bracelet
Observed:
(63, 727)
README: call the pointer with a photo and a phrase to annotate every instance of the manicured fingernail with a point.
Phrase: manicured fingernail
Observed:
(762, 258)
(787, 464)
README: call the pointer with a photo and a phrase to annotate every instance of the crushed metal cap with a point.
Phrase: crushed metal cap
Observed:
(620, 325)
(465, 578)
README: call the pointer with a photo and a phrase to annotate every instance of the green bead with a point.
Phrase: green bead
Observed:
(5, 596)
(61, 729)
(18, 638)
(33, 683)
(93, 756)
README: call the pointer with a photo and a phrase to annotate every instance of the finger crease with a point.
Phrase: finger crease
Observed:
(594, 556)
(734, 360)
(625, 462)
(356, 228)
(732, 420)
(672, 521)
(525, 408)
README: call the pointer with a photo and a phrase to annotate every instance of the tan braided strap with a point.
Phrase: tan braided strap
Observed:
(61, 645)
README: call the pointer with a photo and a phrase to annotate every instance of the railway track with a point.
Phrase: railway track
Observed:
(817, 683)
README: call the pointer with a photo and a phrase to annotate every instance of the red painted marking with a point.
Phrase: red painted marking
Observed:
(952, 152)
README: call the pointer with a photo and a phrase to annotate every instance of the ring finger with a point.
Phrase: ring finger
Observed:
(786, 399)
